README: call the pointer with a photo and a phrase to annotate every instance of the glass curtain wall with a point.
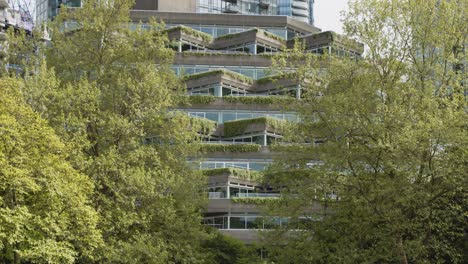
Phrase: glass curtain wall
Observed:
(255, 7)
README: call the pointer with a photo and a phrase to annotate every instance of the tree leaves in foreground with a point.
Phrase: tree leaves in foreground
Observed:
(45, 209)
(106, 87)
(391, 184)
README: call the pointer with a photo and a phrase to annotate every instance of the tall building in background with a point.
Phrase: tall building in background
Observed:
(300, 9)
(48, 9)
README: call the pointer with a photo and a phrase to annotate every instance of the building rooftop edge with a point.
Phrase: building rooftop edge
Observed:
(225, 19)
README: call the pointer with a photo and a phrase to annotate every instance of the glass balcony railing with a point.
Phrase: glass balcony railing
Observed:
(257, 195)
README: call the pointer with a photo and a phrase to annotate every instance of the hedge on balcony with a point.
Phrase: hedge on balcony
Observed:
(256, 200)
(238, 127)
(273, 36)
(203, 125)
(201, 99)
(189, 31)
(208, 53)
(268, 79)
(230, 36)
(238, 173)
(231, 74)
(262, 100)
(300, 148)
(230, 147)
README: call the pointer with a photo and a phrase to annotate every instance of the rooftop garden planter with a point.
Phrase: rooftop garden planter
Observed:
(256, 200)
(201, 99)
(231, 74)
(263, 100)
(238, 173)
(238, 127)
(203, 125)
(230, 147)
(189, 31)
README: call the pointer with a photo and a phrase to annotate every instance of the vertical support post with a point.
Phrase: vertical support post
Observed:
(218, 91)
(298, 92)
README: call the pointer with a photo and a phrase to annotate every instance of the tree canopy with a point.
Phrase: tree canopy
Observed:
(390, 170)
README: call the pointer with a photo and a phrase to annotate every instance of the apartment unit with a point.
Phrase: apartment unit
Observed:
(225, 61)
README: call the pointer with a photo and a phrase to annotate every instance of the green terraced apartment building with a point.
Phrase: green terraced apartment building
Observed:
(224, 59)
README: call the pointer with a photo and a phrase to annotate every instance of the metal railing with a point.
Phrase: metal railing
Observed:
(257, 195)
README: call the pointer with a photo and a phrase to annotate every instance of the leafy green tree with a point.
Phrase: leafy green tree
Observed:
(225, 249)
(106, 87)
(46, 214)
(389, 185)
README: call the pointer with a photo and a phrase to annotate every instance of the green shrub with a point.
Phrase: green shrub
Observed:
(225, 249)
(208, 53)
(231, 74)
(256, 200)
(273, 36)
(230, 147)
(203, 125)
(291, 148)
(238, 127)
(230, 36)
(201, 99)
(238, 173)
(263, 100)
(268, 79)
(190, 31)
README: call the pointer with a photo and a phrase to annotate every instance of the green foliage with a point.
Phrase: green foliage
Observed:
(274, 78)
(238, 173)
(292, 148)
(230, 147)
(273, 36)
(233, 35)
(201, 99)
(202, 125)
(231, 74)
(45, 208)
(208, 53)
(238, 127)
(396, 141)
(262, 100)
(205, 37)
(225, 249)
(256, 200)
(98, 87)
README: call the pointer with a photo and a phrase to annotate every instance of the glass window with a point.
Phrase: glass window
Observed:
(220, 31)
(237, 222)
(229, 117)
(207, 30)
(254, 222)
(212, 116)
